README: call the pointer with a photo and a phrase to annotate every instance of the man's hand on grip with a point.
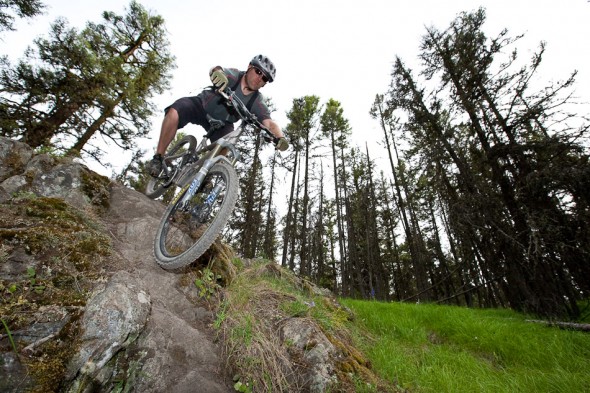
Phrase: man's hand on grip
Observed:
(219, 79)
(282, 144)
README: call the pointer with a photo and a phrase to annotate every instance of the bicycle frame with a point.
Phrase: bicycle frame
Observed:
(220, 150)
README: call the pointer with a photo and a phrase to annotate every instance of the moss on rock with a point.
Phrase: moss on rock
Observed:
(96, 187)
(55, 254)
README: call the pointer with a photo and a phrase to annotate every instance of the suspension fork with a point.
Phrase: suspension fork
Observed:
(212, 158)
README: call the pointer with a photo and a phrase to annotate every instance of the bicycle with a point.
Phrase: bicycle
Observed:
(208, 183)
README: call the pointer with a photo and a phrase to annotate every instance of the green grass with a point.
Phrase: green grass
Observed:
(432, 348)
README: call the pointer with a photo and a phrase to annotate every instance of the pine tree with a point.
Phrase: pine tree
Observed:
(337, 129)
(498, 146)
(12, 9)
(75, 85)
(303, 118)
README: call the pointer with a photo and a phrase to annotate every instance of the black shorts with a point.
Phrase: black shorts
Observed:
(190, 110)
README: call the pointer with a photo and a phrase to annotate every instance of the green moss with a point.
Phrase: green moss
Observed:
(96, 187)
(48, 371)
(13, 160)
(50, 226)
(67, 248)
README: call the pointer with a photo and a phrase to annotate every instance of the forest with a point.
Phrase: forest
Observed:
(484, 201)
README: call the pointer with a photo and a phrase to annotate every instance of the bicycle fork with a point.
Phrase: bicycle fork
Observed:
(213, 158)
(194, 185)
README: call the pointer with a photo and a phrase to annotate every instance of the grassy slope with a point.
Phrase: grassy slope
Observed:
(258, 302)
(432, 348)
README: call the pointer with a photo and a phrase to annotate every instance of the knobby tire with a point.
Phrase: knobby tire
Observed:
(185, 234)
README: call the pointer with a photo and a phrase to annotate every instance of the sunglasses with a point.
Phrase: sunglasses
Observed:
(260, 73)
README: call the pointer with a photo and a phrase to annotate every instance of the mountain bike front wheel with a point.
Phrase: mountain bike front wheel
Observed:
(188, 229)
(174, 160)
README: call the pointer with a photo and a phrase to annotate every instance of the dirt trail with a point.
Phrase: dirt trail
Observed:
(177, 346)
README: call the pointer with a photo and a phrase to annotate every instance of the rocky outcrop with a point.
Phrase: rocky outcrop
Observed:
(14, 157)
(42, 175)
(85, 308)
(114, 318)
(132, 324)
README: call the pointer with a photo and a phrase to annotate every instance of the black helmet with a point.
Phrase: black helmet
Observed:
(264, 64)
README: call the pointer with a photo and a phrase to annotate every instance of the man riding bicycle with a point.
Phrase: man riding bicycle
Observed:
(210, 112)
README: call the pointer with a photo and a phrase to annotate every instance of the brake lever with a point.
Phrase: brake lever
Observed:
(223, 93)
(267, 138)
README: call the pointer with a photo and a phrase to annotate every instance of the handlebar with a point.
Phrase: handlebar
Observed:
(233, 100)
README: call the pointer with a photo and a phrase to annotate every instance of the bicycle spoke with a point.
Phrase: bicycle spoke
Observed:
(187, 224)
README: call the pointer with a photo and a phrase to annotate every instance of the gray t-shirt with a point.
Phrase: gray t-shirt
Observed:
(214, 105)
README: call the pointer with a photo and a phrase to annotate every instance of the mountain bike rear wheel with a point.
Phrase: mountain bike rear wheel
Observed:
(186, 231)
(157, 186)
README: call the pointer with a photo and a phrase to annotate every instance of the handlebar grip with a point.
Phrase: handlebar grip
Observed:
(269, 138)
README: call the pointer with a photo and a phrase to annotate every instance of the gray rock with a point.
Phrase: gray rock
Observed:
(14, 184)
(14, 156)
(15, 376)
(38, 164)
(310, 345)
(113, 319)
(141, 324)
(63, 181)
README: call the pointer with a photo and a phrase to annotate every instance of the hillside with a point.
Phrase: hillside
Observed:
(85, 307)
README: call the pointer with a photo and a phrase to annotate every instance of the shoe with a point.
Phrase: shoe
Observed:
(154, 167)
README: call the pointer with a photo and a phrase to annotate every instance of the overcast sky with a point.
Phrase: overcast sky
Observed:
(330, 48)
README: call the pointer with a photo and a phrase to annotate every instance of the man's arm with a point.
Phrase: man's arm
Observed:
(282, 142)
(273, 127)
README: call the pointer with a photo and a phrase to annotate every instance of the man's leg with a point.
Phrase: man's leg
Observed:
(167, 134)
(168, 131)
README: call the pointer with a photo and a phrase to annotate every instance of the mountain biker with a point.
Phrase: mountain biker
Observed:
(208, 110)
